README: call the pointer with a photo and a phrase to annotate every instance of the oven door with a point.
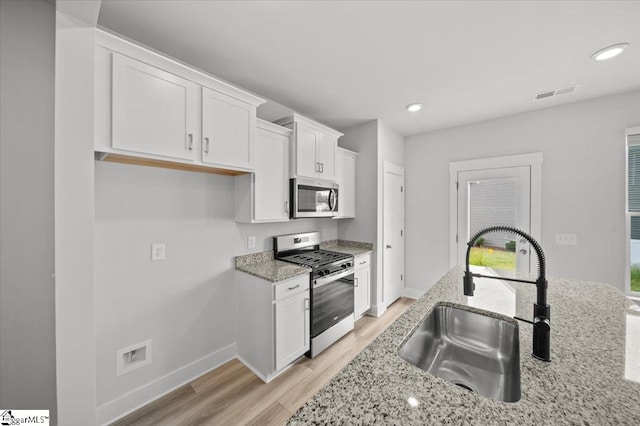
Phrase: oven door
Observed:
(331, 303)
(313, 198)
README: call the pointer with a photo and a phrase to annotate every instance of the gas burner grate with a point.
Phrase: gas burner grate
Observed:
(316, 258)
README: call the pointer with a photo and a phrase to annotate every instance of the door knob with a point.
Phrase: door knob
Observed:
(523, 251)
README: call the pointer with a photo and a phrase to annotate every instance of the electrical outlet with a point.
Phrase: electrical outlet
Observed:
(157, 251)
(566, 239)
(251, 242)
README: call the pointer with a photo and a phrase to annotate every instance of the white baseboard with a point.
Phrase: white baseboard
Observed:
(137, 398)
(413, 293)
(377, 310)
(261, 376)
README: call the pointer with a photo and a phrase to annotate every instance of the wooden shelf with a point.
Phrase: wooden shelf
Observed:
(126, 159)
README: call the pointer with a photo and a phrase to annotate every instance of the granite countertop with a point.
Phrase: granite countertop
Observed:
(264, 266)
(354, 248)
(595, 356)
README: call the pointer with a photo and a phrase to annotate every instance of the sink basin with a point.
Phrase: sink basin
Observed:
(477, 352)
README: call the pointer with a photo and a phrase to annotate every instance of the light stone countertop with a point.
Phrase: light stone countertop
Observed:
(585, 382)
(354, 248)
(263, 265)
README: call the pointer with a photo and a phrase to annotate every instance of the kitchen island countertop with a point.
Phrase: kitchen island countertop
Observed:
(592, 378)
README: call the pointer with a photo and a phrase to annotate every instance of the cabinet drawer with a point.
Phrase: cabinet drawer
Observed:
(291, 287)
(362, 261)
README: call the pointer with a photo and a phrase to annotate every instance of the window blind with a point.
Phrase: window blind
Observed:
(633, 172)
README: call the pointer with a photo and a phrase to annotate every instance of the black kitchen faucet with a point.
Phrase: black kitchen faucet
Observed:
(541, 310)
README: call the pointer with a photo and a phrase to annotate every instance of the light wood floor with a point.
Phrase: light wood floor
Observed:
(232, 395)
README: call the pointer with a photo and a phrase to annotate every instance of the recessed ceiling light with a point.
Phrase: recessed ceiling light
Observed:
(414, 107)
(609, 52)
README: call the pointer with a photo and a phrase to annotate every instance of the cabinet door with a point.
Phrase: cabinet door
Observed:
(154, 112)
(326, 155)
(228, 130)
(292, 328)
(271, 185)
(349, 171)
(306, 164)
(361, 288)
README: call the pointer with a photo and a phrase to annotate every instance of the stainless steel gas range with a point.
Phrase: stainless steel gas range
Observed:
(331, 286)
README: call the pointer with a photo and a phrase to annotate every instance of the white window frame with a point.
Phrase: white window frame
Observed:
(627, 280)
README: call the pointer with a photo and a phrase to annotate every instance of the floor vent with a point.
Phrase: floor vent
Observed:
(556, 92)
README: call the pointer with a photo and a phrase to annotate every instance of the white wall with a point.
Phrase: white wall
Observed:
(390, 149)
(75, 337)
(363, 139)
(582, 185)
(185, 304)
(375, 143)
(27, 333)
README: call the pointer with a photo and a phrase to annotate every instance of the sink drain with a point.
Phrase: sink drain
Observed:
(464, 386)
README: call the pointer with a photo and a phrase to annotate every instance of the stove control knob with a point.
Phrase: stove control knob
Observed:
(321, 273)
(344, 266)
(326, 271)
(348, 264)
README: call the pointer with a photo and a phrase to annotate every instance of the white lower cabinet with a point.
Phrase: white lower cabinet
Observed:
(273, 323)
(292, 328)
(362, 284)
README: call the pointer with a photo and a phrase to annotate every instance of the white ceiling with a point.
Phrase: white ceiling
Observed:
(346, 62)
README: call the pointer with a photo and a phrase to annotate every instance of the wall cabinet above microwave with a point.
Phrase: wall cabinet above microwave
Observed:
(313, 148)
(156, 111)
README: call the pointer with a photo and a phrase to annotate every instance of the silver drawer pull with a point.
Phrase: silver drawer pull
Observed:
(190, 144)
(294, 287)
(363, 262)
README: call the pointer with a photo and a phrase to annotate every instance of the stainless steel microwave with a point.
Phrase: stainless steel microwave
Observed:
(313, 198)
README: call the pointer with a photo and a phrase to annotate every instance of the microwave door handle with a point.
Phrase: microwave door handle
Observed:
(332, 197)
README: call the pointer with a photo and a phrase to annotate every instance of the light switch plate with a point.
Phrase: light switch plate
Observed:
(566, 239)
(251, 242)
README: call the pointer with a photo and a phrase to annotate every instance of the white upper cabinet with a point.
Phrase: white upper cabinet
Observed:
(228, 130)
(306, 140)
(154, 112)
(346, 180)
(264, 195)
(313, 150)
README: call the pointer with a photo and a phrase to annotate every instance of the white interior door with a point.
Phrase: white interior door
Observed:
(491, 197)
(393, 234)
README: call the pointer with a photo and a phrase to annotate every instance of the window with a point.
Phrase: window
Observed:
(633, 208)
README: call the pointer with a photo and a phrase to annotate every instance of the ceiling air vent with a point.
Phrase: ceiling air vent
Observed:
(556, 92)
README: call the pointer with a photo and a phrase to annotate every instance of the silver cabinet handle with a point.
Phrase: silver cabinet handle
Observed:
(286, 207)
(306, 303)
(294, 287)
(364, 261)
(206, 145)
(388, 245)
(317, 167)
(190, 145)
(321, 167)
(356, 282)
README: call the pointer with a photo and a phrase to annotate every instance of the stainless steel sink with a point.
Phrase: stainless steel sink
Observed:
(474, 351)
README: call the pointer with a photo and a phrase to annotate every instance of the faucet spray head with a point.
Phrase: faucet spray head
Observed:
(469, 286)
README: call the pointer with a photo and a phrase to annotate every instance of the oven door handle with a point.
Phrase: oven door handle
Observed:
(319, 282)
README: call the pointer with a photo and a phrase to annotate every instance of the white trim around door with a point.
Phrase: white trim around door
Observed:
(533, 160)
